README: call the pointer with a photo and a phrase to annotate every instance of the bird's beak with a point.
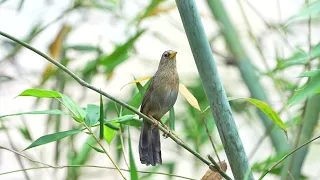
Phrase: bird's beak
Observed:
(173, 54)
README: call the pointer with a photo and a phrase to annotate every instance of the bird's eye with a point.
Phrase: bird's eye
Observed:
(166, 54)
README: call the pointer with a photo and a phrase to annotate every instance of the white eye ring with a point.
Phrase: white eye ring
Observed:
(166, 54)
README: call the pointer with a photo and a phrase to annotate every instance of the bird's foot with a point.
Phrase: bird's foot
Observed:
(166, 135)
(155, 124)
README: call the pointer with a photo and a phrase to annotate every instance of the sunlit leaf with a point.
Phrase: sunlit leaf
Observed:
(189, 97)
(311, 88)
(92, 114)
(52, 137)
(41, 93)
(138, 80)
(267, 110)
(127, 120)
(133, 168)
(109, 133)
(312, 73)
(51, 111)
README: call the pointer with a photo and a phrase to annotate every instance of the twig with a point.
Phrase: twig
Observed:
(286, 156)
(132, 109)
(46, 166)
(13, 147)
(210, 137)
(104, 150)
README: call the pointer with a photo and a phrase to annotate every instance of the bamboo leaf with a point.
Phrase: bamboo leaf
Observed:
(101, 119)
(51, 111)
(76, 111)
(55, 48)
(96, 149)
(172, 119)
(138, 80)
(41, 93)
(92, 114)
(299, 58)
(312, 73)
(312, 10)
(189, 97)
(311, 88)
(84, 48)
(52, 137)
(110, 133)
(133, 168)
(267, 111)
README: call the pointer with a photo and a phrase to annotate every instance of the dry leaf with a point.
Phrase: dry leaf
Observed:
(215, 175)
(189, 97)
(159, 10)
(56, 46)
(138, 80)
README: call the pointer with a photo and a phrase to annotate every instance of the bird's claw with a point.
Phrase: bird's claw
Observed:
(166, 135)
(155, 124)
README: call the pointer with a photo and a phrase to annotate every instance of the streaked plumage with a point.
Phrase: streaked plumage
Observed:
(158, 100)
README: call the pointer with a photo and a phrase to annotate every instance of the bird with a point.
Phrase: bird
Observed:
(158, 99)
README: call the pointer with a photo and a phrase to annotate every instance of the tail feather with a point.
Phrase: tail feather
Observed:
(149, 145)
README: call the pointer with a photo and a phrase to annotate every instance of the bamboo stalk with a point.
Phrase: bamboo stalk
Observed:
(247, 71)
(216, 95)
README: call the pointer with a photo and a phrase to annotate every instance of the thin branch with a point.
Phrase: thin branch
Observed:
(13, 147)
(286, 156)
(210, 137)
(104, 150)
(84, 83)
(45, 166)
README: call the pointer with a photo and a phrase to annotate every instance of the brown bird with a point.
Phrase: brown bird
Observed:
(157, 101)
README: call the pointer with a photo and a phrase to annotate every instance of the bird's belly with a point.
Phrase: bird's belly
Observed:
(162, 101)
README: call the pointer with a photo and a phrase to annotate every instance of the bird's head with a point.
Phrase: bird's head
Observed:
(168, 59)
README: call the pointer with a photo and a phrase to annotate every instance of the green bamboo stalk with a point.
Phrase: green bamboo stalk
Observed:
(214, 90)
(248, 73)
(310, 121)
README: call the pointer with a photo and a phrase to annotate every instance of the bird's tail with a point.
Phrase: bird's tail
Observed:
(149, 145)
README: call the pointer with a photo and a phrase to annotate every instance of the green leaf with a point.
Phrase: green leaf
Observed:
(52, 137)
(312, 73)
(25, 132)
(299, 58)
(263, 166)
(109, 133)
(51, 111)
(84, 48)
(101, 119)
(41, 93)
(92, 114)
(268, 111)
(137, 99)
(96, 149)
(126, 120)
(120, 54)
(171, 119)
(312, 11)
(311, 88)
(133, 168)
(76, 111)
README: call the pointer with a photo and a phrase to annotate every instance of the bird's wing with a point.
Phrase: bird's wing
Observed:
(144, 108)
